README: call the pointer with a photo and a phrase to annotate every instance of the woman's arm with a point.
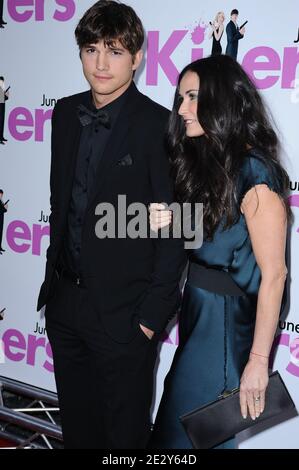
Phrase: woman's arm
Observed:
(220, 31)
(213, 30)
(266, 220)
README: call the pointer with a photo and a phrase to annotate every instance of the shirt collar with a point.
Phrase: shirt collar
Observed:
(112, 108)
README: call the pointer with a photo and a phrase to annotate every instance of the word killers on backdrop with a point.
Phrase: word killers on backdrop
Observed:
(285, 339)
(21, 238)
(35, 349)
(260, 60)
(24, 124)
(36, 10)
(31, 349)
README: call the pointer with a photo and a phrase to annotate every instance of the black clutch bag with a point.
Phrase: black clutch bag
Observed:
(220, 420)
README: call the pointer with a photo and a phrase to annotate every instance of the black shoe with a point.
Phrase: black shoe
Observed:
(1, 249)
(1, 142)
(1, 26)
(3, 22)
(4, 140)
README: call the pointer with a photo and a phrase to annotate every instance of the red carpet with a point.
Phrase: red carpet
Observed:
(6, 443)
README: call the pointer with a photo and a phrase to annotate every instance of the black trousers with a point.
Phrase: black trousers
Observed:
(104, 387)
(1, 11)
(2, 118)
(1, 229)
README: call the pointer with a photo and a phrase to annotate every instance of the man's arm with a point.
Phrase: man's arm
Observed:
(163, 296)
(232, 33)
(2, 208)
(229, 33)
(54, 207)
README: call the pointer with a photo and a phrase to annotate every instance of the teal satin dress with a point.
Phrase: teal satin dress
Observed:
(215, 331)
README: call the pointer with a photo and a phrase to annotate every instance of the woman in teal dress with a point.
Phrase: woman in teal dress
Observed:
(224, 153)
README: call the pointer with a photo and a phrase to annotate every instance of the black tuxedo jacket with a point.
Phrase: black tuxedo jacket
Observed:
(2, 211)
(233, 37)
(129, 280)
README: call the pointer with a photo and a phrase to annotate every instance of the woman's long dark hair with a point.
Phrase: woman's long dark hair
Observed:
(234, 118)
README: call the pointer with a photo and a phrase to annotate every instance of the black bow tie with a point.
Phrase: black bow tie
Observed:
(87, 116)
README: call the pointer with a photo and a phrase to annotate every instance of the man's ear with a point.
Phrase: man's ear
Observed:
(137, 59)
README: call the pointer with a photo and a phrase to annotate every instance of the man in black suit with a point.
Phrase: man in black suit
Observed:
(3, 209)
(233, 35)
(2, 22)
(4, 95)
(107, 299)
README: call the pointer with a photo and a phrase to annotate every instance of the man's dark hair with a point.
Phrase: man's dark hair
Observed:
(110, 21)
(1, 191)
(2, 78)
(234, 12)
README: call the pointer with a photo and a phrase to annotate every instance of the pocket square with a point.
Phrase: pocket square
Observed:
(126, 160)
